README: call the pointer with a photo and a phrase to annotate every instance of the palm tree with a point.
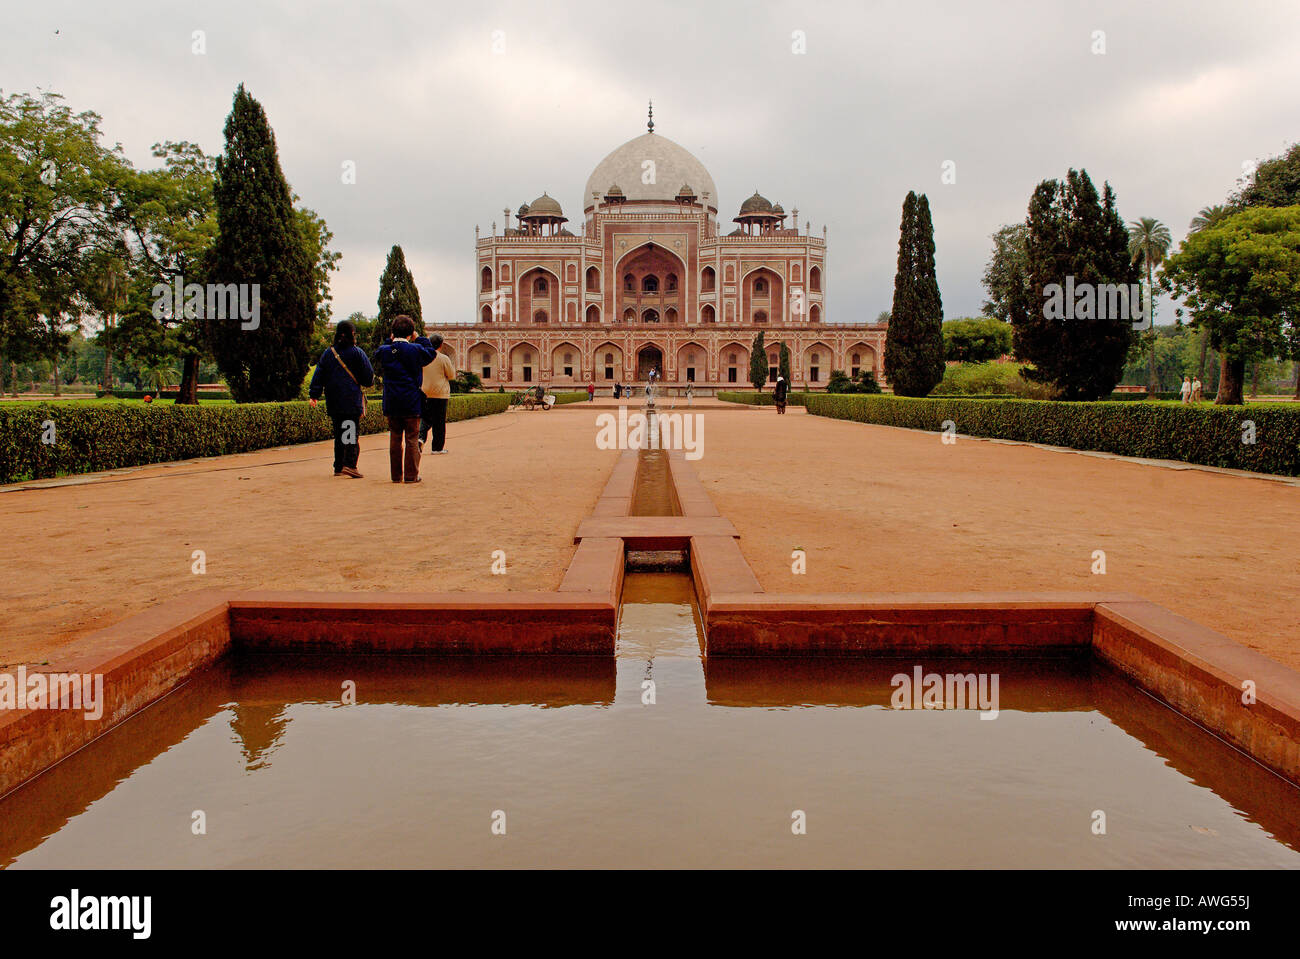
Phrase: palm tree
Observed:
(1149, 241)
(1209, 216)
(159, 376)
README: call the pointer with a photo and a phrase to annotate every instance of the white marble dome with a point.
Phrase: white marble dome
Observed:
(674, 165)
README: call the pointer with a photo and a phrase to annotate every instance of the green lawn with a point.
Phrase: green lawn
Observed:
(94, 401)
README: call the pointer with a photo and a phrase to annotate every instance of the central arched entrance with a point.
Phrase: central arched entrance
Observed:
(649, 358)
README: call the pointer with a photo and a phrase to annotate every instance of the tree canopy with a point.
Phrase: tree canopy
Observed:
(976, 340)
(1241, 279)
(1075, 239)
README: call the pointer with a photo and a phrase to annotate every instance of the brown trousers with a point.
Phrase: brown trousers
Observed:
(404, 466)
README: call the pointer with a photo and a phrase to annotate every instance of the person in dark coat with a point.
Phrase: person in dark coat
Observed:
(778, 394)
(402, 360)
(342, 372)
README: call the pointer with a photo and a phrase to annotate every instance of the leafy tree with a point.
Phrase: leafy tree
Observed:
(397, 295)
(60, 190)
(107, 295)
(914, 343)
(58, 317)
(1275, 182)
(1006, 274)
(783, 363)
(316, 239)
(975, 340)
(466, 382)
(1241, 279)
(882, 318)
(1208, 216)
(758, 362)
(1148, 244)
(259, 243)
(1073, 233)
(170, 221)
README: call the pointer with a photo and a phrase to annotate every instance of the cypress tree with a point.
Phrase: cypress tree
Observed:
(258, 244)
(758, 362)
(914, 343)
(1075, 238)
(397, 295)
(785, 364)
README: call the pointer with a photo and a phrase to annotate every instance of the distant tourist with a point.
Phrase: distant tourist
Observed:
(778, 394)
(1185, 391)
(1196, 389)
(591, 392)
(342, 373)
(690, 393)
(436, 386)
(618, 390)
(403, 359)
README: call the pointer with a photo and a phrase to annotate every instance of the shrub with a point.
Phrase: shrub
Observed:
(991, 378)
(839, 382)
(762, 399)
(976, 340)
(864, 382)
(1205, 434)
(104, 437)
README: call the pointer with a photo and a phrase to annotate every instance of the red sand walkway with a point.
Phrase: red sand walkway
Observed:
(874, 508)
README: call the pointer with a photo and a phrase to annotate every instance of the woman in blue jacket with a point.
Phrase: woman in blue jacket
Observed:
(403, 359)
(341, 373)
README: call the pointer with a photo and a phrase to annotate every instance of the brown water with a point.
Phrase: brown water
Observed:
(652, 494)
(709, 775)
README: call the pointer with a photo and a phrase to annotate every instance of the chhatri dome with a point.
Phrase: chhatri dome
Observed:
(674, 165)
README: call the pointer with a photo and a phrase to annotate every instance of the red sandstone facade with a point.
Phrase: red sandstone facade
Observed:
(652, 282)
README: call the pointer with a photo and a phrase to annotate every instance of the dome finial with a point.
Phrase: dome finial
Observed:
(650, 124)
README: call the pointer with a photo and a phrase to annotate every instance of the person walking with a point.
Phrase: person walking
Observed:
(403, 359)
(778, 395)
(342, 373)
(1196, 389)
(591, 392)
(1185, 391)
(436, 386)
(690, 393)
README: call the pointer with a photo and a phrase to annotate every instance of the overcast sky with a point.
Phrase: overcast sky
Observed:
(445, 132)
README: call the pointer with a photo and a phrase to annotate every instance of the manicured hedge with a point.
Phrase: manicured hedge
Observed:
(93, 438)
(1129, 397)
(760, 399)
(164, 396)
(1202, 433)
(562, 398)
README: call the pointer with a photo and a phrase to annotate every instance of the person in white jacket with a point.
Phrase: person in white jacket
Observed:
(1185, 391)
(436, 387)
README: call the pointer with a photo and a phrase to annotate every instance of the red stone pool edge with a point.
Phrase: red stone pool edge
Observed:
(1203, 675)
